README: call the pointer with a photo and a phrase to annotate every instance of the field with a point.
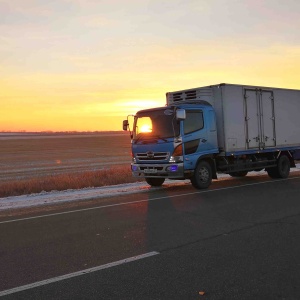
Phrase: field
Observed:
(27, 156)
(40, 157)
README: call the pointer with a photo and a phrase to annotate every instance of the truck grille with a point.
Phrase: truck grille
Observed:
(152, 156)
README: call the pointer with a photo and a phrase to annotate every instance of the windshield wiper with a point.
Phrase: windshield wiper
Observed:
(137, 139)
(158, 136)
(150, 137)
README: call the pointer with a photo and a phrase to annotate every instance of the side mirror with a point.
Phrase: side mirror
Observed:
(180, 114)
(125, 125)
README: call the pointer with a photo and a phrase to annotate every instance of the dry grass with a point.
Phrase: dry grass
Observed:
(36, 163)
(116, 175)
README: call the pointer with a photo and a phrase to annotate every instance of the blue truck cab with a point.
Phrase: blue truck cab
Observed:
(168, 142)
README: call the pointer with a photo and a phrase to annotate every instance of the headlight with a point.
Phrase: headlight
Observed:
(133, 158)
(177, 155)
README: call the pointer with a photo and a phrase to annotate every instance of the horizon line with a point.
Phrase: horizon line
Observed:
(60, 131)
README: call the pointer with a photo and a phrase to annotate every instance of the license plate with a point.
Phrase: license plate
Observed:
(150, 171)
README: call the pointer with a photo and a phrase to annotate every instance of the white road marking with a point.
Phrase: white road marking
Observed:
(75, 274)
(146, 200)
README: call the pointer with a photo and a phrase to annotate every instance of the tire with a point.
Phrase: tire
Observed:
(155, 181)
(202, 176)
(272, 172)
(238, 174)
(282, 170)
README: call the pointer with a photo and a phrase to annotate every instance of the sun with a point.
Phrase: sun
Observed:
(146, 128)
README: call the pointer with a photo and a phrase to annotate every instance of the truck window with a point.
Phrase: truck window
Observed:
(156, 123)
(143, 125)
(194, 121)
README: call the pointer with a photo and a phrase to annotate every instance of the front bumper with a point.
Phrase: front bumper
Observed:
(170, 170)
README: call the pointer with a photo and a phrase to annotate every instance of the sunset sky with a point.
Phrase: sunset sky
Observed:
(85, 65)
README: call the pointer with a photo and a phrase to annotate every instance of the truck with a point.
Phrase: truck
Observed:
(221, 128)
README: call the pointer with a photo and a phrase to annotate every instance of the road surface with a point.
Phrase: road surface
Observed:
(240, 239)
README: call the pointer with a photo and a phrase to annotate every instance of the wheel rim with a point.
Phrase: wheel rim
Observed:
(203, 174)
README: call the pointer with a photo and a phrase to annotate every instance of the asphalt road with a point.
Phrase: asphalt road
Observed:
(240, 239)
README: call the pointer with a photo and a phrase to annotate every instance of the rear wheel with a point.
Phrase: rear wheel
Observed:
(202, 176)
(238, 174)
(272, 172)
(155, 181)
(282, 170)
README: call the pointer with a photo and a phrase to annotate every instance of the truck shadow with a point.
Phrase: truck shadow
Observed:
(173, 215)
(171, 218)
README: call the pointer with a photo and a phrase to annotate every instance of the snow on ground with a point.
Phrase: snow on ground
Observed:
(92, 193)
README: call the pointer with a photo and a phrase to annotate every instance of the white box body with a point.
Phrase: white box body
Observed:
(249, 118)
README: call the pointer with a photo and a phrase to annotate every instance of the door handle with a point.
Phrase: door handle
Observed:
(203, 140)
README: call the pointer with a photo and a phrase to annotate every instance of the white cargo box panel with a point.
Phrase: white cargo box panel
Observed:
(249, 118)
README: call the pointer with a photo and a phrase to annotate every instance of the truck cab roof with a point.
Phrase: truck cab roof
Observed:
(185, 105)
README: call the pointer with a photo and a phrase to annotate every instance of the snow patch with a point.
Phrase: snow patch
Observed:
(92, 193)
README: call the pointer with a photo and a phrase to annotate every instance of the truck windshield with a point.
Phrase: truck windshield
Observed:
(158, 123)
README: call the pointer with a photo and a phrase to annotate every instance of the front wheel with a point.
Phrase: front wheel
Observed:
(155, 181)
(202, 176)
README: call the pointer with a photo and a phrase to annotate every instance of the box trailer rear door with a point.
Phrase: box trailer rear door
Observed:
(259, 118)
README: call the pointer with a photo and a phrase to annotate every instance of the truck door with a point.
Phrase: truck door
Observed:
(194, 137)
(252, 119)
(259, 118)
(268, 118)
